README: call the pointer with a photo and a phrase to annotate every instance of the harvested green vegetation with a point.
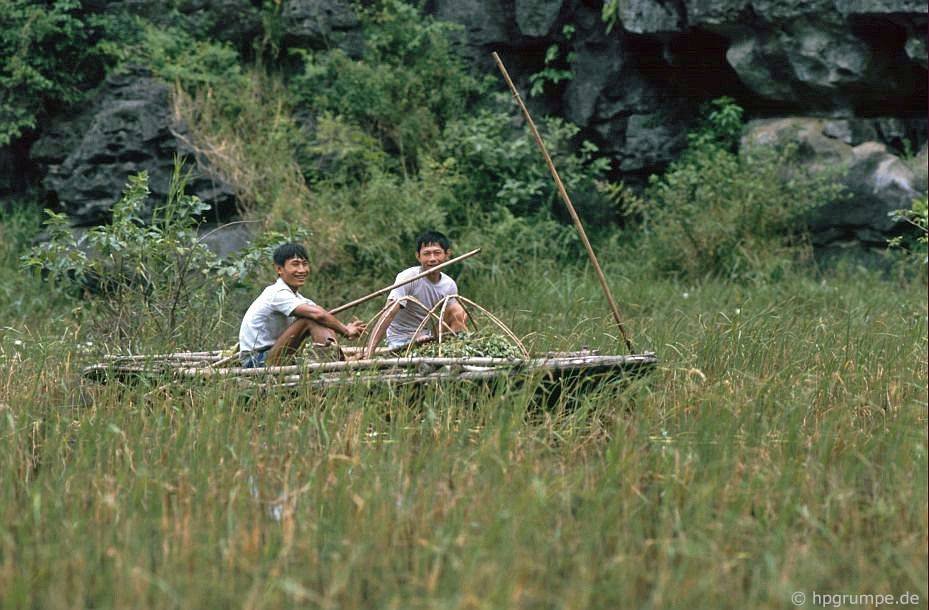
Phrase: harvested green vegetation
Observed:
(779, 447)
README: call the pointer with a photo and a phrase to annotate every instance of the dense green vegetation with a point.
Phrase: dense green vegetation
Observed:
(50, 53)
(782, 441)
(780, 446)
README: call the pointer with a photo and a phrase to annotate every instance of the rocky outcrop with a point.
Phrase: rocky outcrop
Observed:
(856, 68)
(129, 127)
(858, 65)
(321, 24)
(876, 181)
(636, 89)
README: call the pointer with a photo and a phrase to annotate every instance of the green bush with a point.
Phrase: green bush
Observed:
(913, 247)
(393, 146)
(50, 54)
(501, 167)
(396, 149)
(21, 296)
(146, 279)
(731, 214)
(178, 57)
(405, 88)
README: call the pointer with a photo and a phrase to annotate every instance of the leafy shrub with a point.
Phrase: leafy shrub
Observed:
(381, 217)
(392, 147)
(50, 54)
(501, 166)
(146, 279)
(723, 213)
(20, 295)
(178, 57)
(915, 245)
(405, 88)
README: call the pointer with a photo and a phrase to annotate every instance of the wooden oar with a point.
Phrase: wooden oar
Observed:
(567, 200)
(376, 293)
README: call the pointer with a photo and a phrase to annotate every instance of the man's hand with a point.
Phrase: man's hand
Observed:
(354, 329)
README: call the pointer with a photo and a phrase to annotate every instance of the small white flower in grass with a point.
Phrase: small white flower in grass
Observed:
(686, 295)
(17, 342)
(738, 310)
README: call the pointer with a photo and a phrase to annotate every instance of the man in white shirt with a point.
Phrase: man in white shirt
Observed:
(404, 315)
(279, 320)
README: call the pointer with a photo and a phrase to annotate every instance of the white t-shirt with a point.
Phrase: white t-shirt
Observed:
(411, 315)
(269, 316)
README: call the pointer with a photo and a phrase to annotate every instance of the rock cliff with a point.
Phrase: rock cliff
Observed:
(849, 74)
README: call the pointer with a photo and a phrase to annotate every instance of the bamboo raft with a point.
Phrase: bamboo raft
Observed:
(383, 369)
(375, 367)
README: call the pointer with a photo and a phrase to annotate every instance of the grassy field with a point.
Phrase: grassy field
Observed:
(780, 447)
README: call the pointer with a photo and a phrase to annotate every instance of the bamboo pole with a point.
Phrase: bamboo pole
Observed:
(567, 200)
(393, 363)
(368, 297)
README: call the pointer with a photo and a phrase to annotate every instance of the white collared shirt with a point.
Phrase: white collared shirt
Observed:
(269, 316)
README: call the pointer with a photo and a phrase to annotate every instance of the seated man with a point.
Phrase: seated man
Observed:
(402, 315)
(281, 318)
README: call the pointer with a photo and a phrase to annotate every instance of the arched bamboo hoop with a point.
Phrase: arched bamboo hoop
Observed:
(444, 302)
(430, 314)
(499, 323)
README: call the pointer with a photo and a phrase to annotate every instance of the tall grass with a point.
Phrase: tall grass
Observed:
(780, 447)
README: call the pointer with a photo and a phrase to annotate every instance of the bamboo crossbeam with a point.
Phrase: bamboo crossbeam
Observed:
(387, 289)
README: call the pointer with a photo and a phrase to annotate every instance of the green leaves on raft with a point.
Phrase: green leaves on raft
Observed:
(467, 345)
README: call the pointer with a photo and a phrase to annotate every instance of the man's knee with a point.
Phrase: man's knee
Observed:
(456, 317)
(322, 335)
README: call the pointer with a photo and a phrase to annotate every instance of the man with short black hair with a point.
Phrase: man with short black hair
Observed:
(281, 318)
(404, 313)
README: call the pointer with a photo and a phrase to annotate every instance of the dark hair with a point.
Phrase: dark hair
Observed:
(428, 238)
(285, 252)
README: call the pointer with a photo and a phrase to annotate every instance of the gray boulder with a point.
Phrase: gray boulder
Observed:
(536, 17)
(322, 24)
(226, 240)
(875, 180)
(816, 64)
(878, 183)
(127, 128)
(652, 16)
(716, 15)
(486, 25)
(915, 46)
(880, 7)
(636, 90)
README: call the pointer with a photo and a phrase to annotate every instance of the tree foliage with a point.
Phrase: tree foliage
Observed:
(147, 276)
(51, 53)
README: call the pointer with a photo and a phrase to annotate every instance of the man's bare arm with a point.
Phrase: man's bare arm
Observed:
(380, 328)
(352, 330)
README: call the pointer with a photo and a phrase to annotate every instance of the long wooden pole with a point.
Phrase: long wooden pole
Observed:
(567, 200)
(376, 293)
